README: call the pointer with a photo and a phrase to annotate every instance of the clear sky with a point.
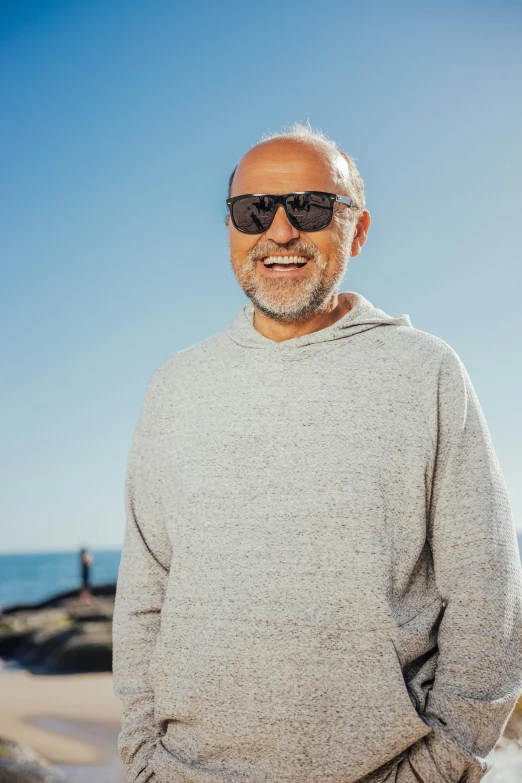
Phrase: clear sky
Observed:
(121, 122)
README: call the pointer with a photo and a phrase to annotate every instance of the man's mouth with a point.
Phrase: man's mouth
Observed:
(287, 264)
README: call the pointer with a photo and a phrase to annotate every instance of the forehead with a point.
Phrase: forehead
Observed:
(286, 165)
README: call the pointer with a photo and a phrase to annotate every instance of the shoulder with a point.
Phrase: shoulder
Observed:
(421, 354)
(184, 365)
(175, 373)
(434, 372)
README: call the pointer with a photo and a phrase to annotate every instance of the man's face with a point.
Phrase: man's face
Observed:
(290, 293)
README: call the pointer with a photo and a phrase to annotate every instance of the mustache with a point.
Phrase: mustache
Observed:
(294, 247)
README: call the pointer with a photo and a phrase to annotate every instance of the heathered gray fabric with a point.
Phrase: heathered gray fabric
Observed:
(320, 581)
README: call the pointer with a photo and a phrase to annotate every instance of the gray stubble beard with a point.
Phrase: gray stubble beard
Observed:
(271, 296)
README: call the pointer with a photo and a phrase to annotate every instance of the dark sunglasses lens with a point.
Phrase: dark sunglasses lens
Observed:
(311, 211)
(252, 214)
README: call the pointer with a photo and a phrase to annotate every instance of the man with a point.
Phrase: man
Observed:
(320, 579)
(86, 562)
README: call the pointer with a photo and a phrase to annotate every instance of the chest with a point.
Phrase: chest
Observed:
(301, 440)
(281, 484)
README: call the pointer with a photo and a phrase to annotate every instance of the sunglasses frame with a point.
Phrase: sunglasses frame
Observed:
(281, 199)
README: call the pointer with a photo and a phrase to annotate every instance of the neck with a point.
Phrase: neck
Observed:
(336, 308)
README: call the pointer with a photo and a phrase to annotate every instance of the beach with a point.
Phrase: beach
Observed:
(72, 720)
(56, 687)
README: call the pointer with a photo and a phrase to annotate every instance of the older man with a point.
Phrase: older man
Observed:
(320, 579)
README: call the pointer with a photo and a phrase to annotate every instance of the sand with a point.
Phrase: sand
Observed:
(29, 703)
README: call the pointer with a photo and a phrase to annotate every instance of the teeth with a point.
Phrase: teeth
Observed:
(285, 260)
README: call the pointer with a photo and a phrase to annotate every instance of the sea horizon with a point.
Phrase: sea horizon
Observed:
(32, 577)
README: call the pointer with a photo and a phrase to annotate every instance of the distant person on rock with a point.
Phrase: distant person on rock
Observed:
(86, 561)
(320, 580)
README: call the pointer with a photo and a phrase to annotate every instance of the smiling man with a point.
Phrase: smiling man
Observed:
(320, 578)
(293, 278)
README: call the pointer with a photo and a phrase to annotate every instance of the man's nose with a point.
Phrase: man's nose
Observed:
(281, 230)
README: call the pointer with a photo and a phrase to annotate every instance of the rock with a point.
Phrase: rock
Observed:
(67, 634)
(59, 600)
(21, 764)
(12, 750)
(13, 772)
(11, 642)
(89, 650)
(99, 609)
(35, 651)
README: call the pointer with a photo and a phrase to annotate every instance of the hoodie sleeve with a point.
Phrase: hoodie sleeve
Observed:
(141, 585)
(478, 574)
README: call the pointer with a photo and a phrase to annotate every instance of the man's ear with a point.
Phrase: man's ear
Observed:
(227, 219)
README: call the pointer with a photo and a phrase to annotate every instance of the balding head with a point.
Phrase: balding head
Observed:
(323, 153)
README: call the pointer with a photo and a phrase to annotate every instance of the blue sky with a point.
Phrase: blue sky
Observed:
(121, 122)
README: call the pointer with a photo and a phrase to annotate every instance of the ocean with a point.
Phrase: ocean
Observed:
(35, 577)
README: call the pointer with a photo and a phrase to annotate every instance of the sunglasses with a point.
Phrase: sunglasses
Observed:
(307, 210)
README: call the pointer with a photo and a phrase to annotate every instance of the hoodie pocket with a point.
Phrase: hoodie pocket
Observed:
(381, 720)
(290, 703)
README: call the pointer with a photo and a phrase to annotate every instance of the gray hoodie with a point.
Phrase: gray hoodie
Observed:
(320, 580)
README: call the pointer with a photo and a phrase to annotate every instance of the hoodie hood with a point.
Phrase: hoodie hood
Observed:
(361, 317)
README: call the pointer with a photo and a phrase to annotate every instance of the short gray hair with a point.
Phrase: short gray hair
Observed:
(316, 137)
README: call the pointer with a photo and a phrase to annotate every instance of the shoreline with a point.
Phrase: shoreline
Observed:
(100, 735)
(71, 719)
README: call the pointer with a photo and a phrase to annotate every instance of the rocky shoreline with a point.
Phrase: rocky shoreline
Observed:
(66, 634)
(69, 633)
(21, 764)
